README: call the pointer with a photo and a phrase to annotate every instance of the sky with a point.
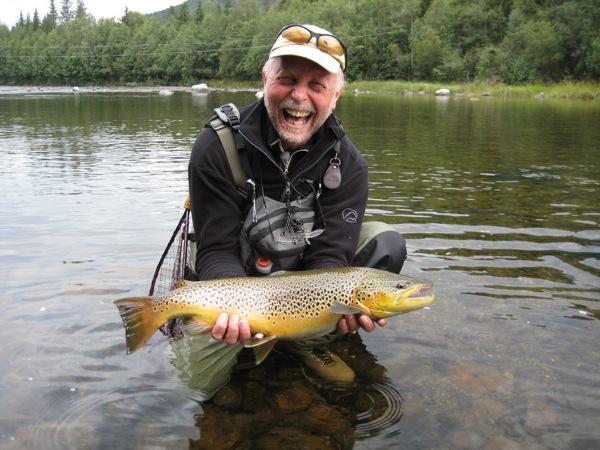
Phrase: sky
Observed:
(9, 9)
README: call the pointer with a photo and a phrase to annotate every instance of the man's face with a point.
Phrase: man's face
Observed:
(299, 97)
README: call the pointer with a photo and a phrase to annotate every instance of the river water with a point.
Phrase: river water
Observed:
(498, 200)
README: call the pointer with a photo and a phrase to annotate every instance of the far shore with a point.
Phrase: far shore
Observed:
(474, 90)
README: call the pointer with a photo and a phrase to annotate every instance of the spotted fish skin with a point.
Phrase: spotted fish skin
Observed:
(285, 305)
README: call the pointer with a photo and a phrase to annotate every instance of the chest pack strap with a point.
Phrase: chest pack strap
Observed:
(226, 125)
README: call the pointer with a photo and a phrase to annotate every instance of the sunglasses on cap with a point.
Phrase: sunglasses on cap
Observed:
(328, 43)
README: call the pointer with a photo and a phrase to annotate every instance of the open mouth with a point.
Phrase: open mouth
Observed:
(425, 291)
(295, 117)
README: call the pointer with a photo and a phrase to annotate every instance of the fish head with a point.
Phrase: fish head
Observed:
(390, 294)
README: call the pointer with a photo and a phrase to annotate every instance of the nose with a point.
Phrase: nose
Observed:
(299, 94)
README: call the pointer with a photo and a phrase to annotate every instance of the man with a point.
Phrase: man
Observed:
(295, 150)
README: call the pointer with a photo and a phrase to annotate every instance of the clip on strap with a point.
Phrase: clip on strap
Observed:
(229, 114)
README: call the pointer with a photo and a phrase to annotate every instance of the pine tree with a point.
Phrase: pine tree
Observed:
(81, 12)
(66, 11)
(36, 20)
(52, 14)
(199, 13)
(184, 15)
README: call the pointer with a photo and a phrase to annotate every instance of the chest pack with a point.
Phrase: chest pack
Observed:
(274, 234)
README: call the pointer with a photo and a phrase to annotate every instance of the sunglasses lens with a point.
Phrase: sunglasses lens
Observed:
(325, 42)
(331, 45)
(296, 34)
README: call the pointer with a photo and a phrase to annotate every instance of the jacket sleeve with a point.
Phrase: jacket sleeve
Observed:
(216, 209)
(342, 211)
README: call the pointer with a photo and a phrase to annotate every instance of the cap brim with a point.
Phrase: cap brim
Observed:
(315, 55)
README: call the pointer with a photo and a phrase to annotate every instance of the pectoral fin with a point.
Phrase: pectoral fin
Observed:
(341, 308)
(262, 347)
(191, 326)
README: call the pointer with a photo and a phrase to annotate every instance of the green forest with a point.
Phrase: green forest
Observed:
(508, 41)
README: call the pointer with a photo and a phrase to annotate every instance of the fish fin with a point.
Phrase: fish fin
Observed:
(341, 308)
(262, 347)
(204, 364)
(191, 326)
(139, 320)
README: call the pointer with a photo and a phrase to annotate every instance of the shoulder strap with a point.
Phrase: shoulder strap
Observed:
(226, 124)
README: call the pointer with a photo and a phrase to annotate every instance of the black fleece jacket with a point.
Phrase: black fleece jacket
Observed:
(218, 209)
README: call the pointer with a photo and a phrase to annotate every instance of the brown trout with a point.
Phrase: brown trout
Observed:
(285, 305)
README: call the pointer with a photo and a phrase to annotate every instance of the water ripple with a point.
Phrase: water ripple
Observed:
(380, 408)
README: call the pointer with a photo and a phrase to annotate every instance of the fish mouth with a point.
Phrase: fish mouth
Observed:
(418, 296)
(423, 292)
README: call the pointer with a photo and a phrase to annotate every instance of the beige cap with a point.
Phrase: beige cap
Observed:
(330, 61)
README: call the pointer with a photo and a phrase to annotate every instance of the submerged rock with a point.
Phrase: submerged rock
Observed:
(291, 438)
(229, 397)
(293, 399)
(541, 417)
(217, 430)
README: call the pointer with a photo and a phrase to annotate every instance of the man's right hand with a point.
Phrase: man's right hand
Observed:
(232, 330)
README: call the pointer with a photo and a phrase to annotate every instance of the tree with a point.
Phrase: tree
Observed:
(66, 11)
(427, 50)
(81, 12)
(506, 40)
(199, 13)
(184, 14)
(36, 20)
(132, 19)
(51, 19)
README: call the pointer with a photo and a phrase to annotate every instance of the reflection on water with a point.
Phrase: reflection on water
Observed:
(497, 199)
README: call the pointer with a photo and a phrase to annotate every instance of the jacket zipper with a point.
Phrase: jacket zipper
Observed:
(284, 172)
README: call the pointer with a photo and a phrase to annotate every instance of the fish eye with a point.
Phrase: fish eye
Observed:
(402, 284)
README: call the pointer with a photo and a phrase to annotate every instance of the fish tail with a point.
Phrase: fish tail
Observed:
(140, 320)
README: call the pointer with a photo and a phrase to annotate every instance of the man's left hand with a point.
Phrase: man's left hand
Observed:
(351, 323)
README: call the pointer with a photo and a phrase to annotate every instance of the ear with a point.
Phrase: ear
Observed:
(263, 78)
(335, 98)
(338, 93)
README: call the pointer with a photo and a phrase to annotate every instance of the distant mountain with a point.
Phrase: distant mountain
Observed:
(206, 4)
(191, 4)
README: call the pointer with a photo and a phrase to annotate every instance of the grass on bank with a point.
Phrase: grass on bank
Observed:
(568, 90)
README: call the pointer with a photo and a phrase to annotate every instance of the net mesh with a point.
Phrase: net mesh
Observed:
(174, 264)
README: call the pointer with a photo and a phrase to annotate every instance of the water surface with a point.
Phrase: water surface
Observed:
(498, 200)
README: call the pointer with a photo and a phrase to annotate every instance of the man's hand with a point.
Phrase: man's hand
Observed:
(232, 330)
(351, 323)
